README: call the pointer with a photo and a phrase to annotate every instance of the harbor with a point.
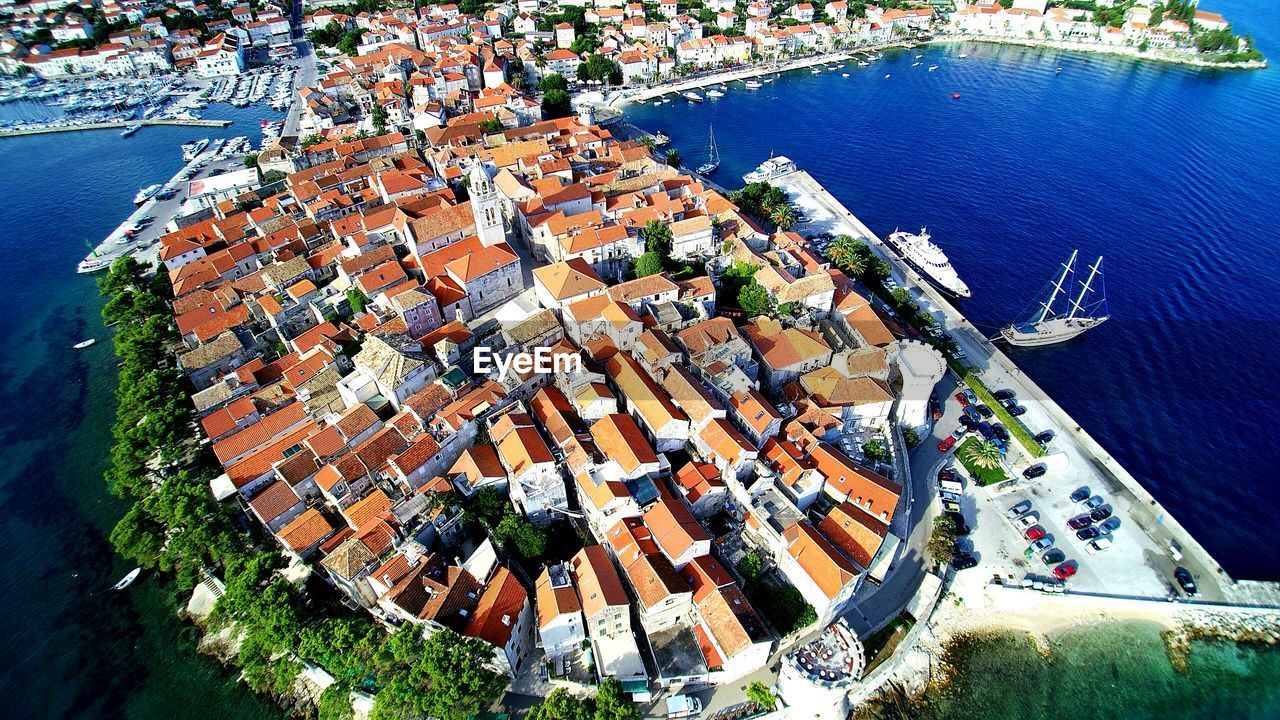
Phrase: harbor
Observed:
(1088, 462)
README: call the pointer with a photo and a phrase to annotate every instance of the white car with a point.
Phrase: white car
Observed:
(1098, 545)
(959, 432)
(1029, 519)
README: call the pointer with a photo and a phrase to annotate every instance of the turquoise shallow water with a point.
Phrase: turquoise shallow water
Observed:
(1112, 670)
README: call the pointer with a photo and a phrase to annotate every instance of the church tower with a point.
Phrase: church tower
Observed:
(486, 206)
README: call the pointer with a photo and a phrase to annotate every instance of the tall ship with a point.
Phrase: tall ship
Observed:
(770, 169)
(1085, 309)
(713, 156)
(920, 252)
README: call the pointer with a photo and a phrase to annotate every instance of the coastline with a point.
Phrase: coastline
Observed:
(1131, 53)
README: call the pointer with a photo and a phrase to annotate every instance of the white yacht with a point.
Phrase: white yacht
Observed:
(193, 148)
(770, 169)
(145, 193)
(1084, 311)
(920, 252)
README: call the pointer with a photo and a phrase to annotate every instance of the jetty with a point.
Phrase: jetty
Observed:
(110, 125)
(1087, 457)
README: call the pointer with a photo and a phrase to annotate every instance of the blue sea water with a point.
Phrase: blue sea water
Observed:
(1171, 173)
(69, 649)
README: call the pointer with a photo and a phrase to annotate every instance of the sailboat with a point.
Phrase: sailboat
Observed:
(713, 155)
(1084, 311)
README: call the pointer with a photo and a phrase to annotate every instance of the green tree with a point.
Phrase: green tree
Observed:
(753, 298)
(761, 695)
(357, 300)
(983, 454)
(650, 263)
(560, 705)
(492, 125)
(911, 437)
(554, 81)
(613, 704)
(462, 685)
(517, 533)
(335, 703)
(251, 160)
(750, 567)
(942, 540)
(673, 158)
(875, 451)
(783, 215)
(556, 104)
(657, 238)
(379, 117)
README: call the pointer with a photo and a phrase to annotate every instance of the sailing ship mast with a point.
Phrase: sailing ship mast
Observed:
(713, 154)
(1093, 272)
(1057, 288)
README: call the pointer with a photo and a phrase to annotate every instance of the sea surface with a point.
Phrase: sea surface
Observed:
(1171, 173)
(69, 648)
(1114, 670)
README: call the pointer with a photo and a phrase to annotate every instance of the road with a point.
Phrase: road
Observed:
(306, 77)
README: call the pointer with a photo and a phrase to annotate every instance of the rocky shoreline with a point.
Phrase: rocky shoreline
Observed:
(1187, 59)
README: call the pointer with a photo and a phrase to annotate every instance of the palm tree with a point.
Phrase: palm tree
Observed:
(783, 216)
(673, 158)
(844, 253)
(646, 142)
(982, 454)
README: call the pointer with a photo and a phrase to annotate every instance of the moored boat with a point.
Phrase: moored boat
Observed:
(84, 344)
(131, 129)
(146, 193)
(769, 169)
(127, 580)
(691, 96)
(1084, 311)
(920, 253)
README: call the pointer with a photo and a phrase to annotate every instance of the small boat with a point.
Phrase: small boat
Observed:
(127, 580)
(145, 193)
(661, 139)
(844, 74)
(815, 71)
(657, 102)
(955, 96)
(753, 84)
(919, 56)
(1058, 71)
(691, 96)
(932, 68)
(888, 75)
(914, 64)
(713, 155)
(714, 94)
(131, 129)
(863, 63)
(962, 55)
(768, 79)
(84, 344)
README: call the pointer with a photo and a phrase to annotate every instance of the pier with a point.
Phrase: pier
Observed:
(112, 125)
(1087, 457)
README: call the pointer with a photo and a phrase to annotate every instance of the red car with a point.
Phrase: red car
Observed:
(1033, 533)
(1064, 571)
(946, 444)
(963, 400)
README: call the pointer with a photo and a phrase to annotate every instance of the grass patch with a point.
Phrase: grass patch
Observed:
(1025, 437)
(880, 646)
(982, 476)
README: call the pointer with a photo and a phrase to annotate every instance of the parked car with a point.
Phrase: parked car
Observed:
(971, 412)
(968, 423)
(1080, 495)
(946, 474)
(950, 505)
(973, 398)
(1053, 556)
(963, 562)
(959, 432)
(1034, 533)
(1094, 502)
(1019, 509)
(962, 398)
(1100, 514)
(1045, 437)
(1110, 525)
(1000, 431)
(1007, 403)
(985, 411)
(1034, 471)
(1185, 581)
(1088, 533)
(1043, 543)
(1028, 520)
(1004, 394)
(985, 429)
(1017, 410)
(1081, 521)
(1098, 545)
(1064, 571)
(947, 442)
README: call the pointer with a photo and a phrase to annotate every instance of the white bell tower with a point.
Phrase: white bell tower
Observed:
(486, 206)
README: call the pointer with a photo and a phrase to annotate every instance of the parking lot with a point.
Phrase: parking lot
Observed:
(1133, 566)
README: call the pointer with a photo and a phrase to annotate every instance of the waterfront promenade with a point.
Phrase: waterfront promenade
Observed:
(1148, 570)
(113, 125)
(621, 99)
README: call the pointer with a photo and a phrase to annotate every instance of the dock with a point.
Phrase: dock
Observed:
(1155, 521)
(112, 125)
